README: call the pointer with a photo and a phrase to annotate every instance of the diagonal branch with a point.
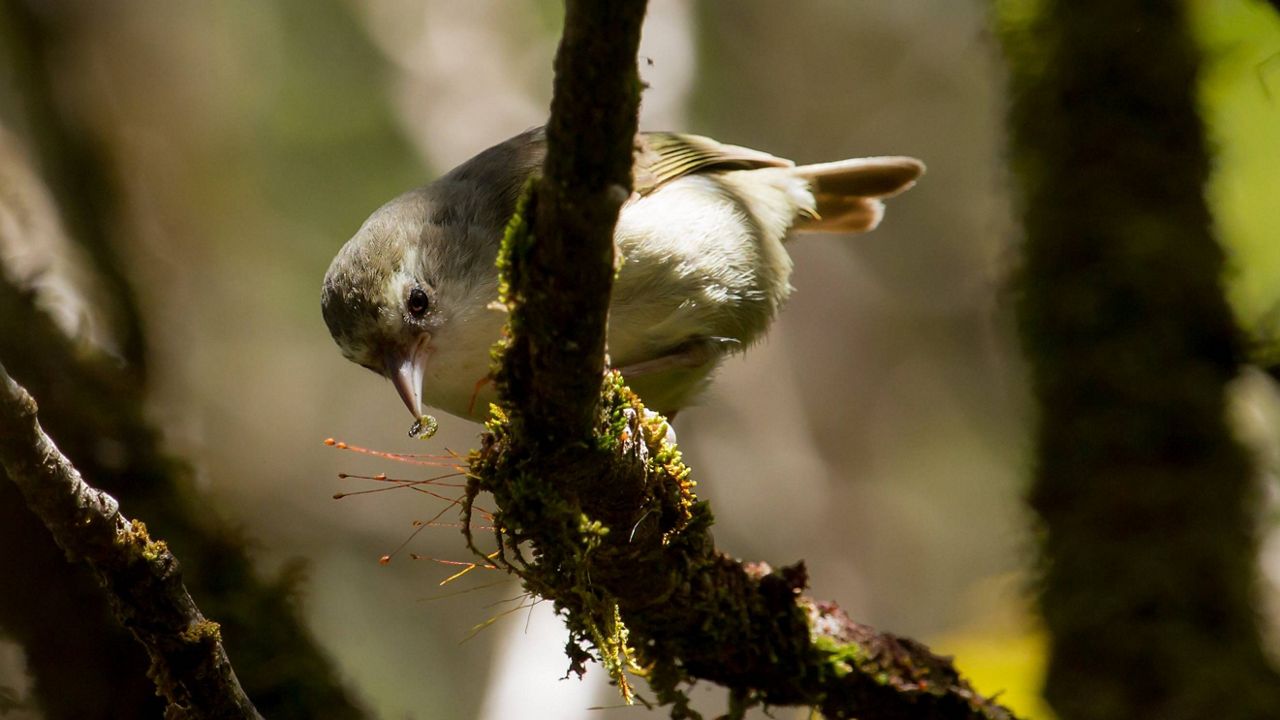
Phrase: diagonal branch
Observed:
(583, 477)
(188, 664)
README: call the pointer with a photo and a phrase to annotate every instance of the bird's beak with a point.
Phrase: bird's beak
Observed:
(405, 368)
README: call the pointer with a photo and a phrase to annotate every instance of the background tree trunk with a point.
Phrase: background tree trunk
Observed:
(1149, 505)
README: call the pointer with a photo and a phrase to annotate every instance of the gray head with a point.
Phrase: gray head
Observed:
(381, 294)
(408, 291)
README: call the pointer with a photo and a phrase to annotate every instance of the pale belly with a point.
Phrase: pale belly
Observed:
(696, 266)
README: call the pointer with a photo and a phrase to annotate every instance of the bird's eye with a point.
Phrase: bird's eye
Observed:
(418, 302)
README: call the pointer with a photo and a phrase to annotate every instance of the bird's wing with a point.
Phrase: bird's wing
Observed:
(660, 157)
(664, 156)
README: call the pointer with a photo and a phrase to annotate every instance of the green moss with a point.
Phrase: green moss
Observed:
(517, 238)
(840, 658)
(205, 631)
(546, 533)
(136, 539)
(537, 514)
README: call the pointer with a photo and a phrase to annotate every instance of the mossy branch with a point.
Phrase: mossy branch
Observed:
(595, 507)
(556, 366)
(188, 664)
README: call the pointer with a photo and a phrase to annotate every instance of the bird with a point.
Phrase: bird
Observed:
(704, 268)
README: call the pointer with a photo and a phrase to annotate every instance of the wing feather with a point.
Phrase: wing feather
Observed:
(665, 156)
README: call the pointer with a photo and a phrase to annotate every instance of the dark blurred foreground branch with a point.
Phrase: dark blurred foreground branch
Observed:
(75, 162)
(188, 664)
(75, 651)
(588, 480)
(1149, 504)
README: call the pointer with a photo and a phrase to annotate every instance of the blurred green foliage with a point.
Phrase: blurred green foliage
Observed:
(320, 144)
(1240, 104)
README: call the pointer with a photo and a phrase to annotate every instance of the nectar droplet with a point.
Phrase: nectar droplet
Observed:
(384, 560)
(423, 428)
(330, 442)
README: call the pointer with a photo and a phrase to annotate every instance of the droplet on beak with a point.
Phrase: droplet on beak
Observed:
(423, 428)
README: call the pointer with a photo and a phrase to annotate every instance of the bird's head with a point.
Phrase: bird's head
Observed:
(402, 287)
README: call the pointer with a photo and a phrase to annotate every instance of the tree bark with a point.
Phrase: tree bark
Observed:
(188, 663)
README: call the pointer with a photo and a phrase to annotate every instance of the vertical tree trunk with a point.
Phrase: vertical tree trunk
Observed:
(1146, 499)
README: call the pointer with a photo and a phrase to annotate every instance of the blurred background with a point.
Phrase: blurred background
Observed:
(880, 433)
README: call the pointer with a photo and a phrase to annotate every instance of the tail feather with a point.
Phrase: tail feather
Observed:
(848, 192)
(843, 215)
